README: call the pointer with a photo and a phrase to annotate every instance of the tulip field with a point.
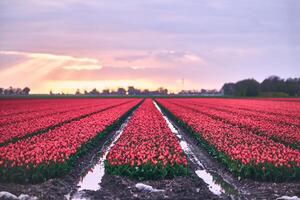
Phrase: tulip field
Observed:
(257, 139)
(253, 138)
(27, 121)
(52, 152)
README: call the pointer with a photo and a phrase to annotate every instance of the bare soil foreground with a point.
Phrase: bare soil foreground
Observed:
(207, 179)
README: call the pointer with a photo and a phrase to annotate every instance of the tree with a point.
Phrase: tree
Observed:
(146, 92)
(203, 91)
(1, 91)
(132, 91)
(10, 90)
(292, 86)
(162, 91)
(6, 92)
(26, 90)
(229, 89)
(273, 84)
(17, 91)
(94, 91)
(77, 92)
(247, 87)
(121, 91)
(105, 91)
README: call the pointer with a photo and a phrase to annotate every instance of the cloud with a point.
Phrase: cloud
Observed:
(82, 67)
(36, 67)
(137, 67)
(108, 73)
(131, 58)
(192, 58)
(162, 55)
(177, 56)
(48, 56)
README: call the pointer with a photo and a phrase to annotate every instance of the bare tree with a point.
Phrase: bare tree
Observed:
(78, 92)
(26, 90)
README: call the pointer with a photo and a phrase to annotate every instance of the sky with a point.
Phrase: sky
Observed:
(62, 45)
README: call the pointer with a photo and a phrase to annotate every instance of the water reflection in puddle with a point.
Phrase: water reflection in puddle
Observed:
(92, 180)
(208, 179)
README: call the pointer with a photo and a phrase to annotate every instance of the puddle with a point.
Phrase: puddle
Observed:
(92, 180)
(210, 179)
(77, 196)
(288, 198)
(8, 195)
(146, 188)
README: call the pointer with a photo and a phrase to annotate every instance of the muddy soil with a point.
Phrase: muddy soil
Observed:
(189, 187)
(177, 188)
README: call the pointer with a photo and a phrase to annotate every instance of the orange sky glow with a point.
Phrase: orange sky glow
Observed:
(65, 45)
(64, 73)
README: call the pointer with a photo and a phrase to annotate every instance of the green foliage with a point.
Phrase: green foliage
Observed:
(272, 86)
(247, 88)
(273, 94)
(147, 171)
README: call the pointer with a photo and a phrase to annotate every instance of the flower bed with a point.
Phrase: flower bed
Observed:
(147, 149)
(243, 152)
(27, 128)
(54, 153)
(279, 128)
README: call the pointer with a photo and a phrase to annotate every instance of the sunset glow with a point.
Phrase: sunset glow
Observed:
(65, 45)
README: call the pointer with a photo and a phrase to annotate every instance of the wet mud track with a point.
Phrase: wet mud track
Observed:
(186, 187)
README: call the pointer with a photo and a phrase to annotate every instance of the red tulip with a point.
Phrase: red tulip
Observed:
(148, 138)
(61, 143)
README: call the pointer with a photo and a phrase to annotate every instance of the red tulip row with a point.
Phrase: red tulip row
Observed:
(13, 106)
(252, 111)
(285, 132)
(245, 153)
(51, 153)
(147, 148)
(288, 108)
(29, 111)
(37, 124)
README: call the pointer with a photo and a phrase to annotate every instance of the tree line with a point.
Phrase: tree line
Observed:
(132, 91)
(273, 86)
(14, 91)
